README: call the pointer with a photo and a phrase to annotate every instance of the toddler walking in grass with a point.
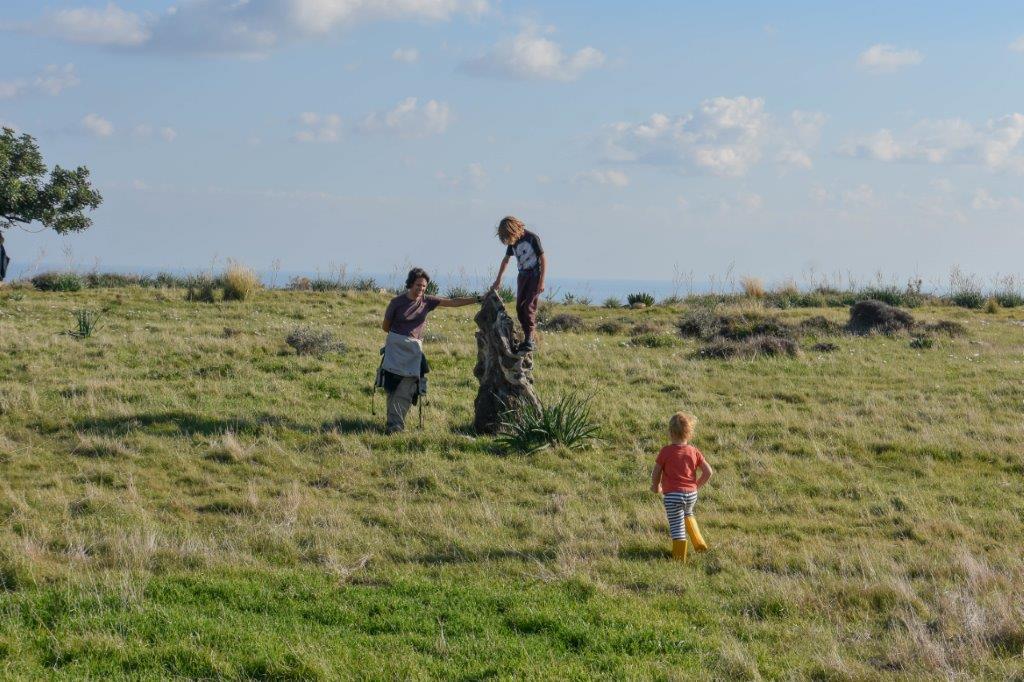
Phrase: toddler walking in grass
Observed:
(679, 472)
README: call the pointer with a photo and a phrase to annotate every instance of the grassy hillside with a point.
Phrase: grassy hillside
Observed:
(183, 495)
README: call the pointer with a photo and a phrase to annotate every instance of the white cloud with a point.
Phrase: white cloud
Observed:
(724, 136)
(406, 55)
(1017, 45)
(614, 178)
(409, 119)
(97, 126)
(50, 81)
(530, 56)
(861, 196)
(318, 127)
(239, 27)
(55, 79)
(887, 58)
(795, 157)
(146, 131)
(477, 175)
(110, 26)
(995, 145)
(10, 89)
(982, 200)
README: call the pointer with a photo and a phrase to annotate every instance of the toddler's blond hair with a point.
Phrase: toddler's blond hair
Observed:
(680, 426)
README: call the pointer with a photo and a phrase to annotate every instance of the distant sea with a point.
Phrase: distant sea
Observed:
(596, 290)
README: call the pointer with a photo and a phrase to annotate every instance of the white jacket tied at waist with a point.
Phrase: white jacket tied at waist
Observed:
(403, 355)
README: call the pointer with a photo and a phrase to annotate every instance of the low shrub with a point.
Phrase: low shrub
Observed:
(611, 327)
(300, 284)
(326, 284)
(825, 347)
(672, 301)
(751, 347)
(239, 283)
(58, 281)
(992, 305)
(568, 423)
(642, 328)
(968, 298)
(201, 288)
(922, 342)
(364, 284)
(1008, 299)
(308, 341)
(112, 280)
(643, 298)
(819, 325)
(867, 317)
(653, 340)
(507, 294)
(459, 292)
(563, 322)
(612, 302)
(433, 288)
(946, 327)
(699, 322)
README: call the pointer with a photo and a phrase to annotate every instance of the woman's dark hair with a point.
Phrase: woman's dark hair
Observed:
(414, 275)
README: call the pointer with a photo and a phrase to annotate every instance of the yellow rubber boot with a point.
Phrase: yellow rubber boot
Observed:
(679, 550)
(693, 531)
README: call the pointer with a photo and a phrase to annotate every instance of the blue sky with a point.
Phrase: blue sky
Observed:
(638, 141)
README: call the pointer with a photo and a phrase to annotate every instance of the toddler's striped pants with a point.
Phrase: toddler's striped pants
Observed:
(677, 507)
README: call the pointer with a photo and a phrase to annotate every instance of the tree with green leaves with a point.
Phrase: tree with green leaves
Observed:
(27, 195)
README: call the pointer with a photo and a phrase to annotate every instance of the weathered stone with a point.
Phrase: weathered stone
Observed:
(506, 378)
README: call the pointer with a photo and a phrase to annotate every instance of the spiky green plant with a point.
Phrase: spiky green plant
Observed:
(87, 321)
(530, 429)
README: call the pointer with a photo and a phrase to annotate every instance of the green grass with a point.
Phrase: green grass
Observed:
(180, 500)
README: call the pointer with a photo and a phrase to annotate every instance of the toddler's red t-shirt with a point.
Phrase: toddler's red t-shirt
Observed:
(679, 464)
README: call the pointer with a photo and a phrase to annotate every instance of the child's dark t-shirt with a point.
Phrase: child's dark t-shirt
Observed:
(527, 251)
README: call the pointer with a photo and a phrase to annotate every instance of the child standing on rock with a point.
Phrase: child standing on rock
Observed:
(676, 476)
(533, 265)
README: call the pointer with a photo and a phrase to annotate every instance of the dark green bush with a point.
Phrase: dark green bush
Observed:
(201, 288)
(652, 340)
(750, 347)
(612, 302)
(968, 298)
(308, 341)
(57, 281)
(640, 297)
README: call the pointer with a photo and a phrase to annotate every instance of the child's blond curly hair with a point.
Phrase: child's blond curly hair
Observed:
(510, 229)
(680, 426)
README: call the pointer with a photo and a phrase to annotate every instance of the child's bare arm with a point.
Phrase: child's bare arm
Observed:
(501, 273)
(706, 472)
(543, 272)
(656, 479)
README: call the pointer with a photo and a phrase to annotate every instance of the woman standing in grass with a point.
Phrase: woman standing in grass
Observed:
(404, 367)
(675, 475)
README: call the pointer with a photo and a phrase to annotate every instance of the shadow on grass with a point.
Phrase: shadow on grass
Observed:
(347, 424)
(457, 556)
(644, 553)
(186, 422)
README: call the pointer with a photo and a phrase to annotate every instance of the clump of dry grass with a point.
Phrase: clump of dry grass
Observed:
(100, 446)
(752, 287)
(227, 449)
(240, 282)
(308, 341)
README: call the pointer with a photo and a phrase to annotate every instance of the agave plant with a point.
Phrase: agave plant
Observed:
(530, 429)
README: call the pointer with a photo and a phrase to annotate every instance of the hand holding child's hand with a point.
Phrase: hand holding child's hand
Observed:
(656, 488)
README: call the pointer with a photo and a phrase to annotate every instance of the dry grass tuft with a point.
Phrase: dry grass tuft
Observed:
(752, 287)
(240, 282)
(227, 449)
(100, 446)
